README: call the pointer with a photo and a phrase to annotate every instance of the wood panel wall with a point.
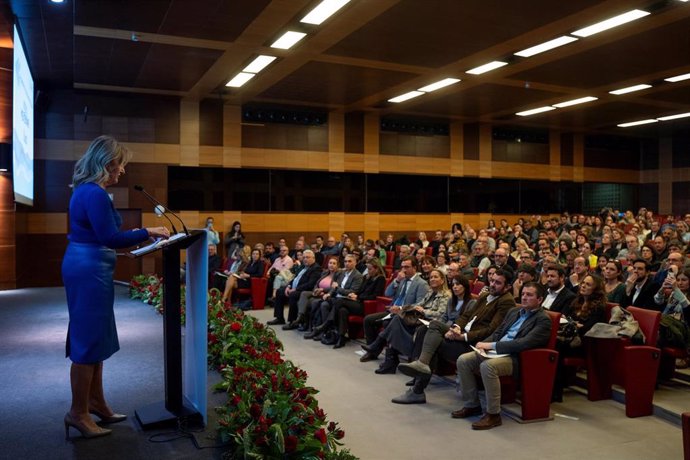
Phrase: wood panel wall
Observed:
(163, 131)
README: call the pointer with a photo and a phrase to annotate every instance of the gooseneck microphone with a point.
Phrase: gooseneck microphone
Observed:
(160, 208)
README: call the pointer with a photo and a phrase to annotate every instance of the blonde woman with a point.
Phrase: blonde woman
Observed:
(87, 272)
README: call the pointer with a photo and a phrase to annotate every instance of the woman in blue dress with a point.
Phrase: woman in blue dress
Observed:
(87, 272)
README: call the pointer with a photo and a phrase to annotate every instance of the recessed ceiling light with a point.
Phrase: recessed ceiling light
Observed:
(288, 39)
(240, 79)
(487, 67)
(535, 111)
(581, 100)
(57, 1)
(673, 117)
(551, 44)
(636, 123)
(629, 89)
(323, 11)
(678, 78)
(439, 84)
(258, 64)
(406, 96)
(611, 23)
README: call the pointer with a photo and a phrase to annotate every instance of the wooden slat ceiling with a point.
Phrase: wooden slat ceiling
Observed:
(373, 50)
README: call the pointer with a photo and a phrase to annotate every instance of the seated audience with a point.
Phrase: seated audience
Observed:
(399, 331)
(304, 280)
(241, 279)
(523, 329)
(408, 288)
(322, 286)
(588, 308)
(448, 341)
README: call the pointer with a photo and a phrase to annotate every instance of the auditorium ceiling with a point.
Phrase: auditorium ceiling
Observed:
(371, 51)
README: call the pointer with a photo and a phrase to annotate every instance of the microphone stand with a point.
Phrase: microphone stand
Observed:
(158, 203)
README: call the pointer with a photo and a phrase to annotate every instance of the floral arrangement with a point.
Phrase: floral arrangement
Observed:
(149, 288)
(270, 411)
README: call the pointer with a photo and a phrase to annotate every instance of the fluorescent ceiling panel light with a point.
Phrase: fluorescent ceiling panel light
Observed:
(551, 44)
(406, 96)
(610, 23)
(629, 89)
(258, 64)
(636, 123)
(439, 84)
(487, 67)
(673, 117)
(323, 11)
(288, 39)
(240, 79)
(581, 100)
(685, 76)
(527, 113)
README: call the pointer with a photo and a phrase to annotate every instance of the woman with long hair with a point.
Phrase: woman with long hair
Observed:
(234, 240)
(613, 281)
(399, 332)
(587, 309)
(87, 273)
(674, 295)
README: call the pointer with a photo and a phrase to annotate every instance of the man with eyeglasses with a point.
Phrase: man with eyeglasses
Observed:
(408, 288)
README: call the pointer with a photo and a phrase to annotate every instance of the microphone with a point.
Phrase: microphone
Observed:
(160, 209)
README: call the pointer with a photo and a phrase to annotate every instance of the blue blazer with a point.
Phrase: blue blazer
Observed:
(416, 290)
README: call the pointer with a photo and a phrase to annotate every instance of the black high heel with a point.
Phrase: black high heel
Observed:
(85, 432)
(115, 418)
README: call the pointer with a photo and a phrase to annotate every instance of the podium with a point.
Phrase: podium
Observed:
(185, 388)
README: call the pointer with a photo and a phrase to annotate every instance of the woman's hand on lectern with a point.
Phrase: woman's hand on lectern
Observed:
(160, 232)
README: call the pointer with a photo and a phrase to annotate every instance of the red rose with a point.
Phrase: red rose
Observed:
(290, 443)
(339, 434)
(235, 327)
(255, 411)
(331, 426)
(321, 435)
(212, 338)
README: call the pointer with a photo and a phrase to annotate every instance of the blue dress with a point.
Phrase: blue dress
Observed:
(87, 272)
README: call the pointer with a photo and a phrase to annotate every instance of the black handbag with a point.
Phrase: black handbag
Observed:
(330, 337)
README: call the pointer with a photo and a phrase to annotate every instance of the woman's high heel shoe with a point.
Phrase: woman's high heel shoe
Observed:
(85, 432)
(115, 418)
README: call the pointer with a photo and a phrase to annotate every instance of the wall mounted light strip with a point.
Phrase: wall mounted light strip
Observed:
(629, 89)
(240, 79)
(637, 123)
(610, 23)
(685, 76)
(405, 97)
(259, 63)
(323, 11)
(551, 44)
(527, 113)
(439, 84)
(486, 67)
(581, 100)
(288, 40)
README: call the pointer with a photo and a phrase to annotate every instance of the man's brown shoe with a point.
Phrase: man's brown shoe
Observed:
(368, 357)
(487, 422)
(466, 412)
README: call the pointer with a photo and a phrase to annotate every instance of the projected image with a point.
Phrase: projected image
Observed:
(22, 126)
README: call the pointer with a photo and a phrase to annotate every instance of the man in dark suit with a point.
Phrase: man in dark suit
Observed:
(523, 329)
(349, 281)
(640, 287)
(558, 296)
(304, 280)
(408, 288)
